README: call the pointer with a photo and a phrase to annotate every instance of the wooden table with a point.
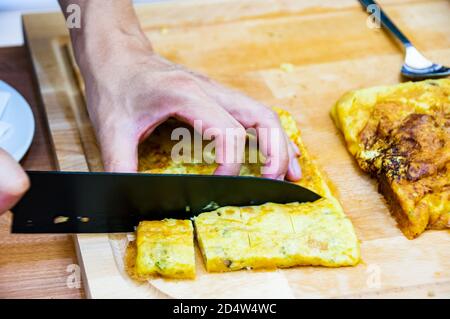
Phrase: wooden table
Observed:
(33, 266)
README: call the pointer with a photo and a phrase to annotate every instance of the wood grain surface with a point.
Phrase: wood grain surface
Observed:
(33, 266)
(242, 44)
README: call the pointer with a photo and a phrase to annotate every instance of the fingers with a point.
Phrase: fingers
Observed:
(280, 152)
(275, 149)
(294, 172)
(13, 182)
(271, 136)
(217, 113)
(215, 123)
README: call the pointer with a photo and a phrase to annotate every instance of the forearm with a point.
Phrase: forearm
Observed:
(107, 27)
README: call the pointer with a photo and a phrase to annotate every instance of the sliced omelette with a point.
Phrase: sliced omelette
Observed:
(401, 135)
(266, 236)
(164, 248)
(276, 235)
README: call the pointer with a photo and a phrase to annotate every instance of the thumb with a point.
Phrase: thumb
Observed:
(119, 152)
(13, 181)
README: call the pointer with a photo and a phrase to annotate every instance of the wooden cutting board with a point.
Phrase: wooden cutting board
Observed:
(242, 43)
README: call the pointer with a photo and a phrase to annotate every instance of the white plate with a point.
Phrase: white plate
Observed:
(18, 114)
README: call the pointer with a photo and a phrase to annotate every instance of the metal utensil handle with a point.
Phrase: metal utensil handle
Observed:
(387, 23)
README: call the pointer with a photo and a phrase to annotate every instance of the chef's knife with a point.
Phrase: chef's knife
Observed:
(75, 202)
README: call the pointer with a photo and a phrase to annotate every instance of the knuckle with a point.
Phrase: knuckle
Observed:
(174, 103)
(266, 112)
(179, 90)
(271, 115)
(266, 117)
(183, 81)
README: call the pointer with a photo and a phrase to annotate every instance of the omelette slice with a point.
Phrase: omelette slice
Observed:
(266, 236)
(165, 248)
(401, 135)
(276, 236)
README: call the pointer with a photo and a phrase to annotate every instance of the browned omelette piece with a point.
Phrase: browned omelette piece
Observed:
(401, 136)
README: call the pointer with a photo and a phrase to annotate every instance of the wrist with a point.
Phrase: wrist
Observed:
(107, 34)
(103, 48)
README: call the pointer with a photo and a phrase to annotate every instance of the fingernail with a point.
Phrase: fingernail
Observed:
(296, 149)
(295, 169)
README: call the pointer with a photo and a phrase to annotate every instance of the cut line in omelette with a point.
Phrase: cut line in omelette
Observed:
(266, 236)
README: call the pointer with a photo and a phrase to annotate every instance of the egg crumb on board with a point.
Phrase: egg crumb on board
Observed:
(287, 67)
(264, 236)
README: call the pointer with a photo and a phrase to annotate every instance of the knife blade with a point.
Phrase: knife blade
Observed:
(78, 202)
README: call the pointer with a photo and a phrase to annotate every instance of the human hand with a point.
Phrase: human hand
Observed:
(13, 182)
(130, 90)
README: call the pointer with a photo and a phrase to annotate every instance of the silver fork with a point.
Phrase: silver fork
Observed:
(415, 65)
